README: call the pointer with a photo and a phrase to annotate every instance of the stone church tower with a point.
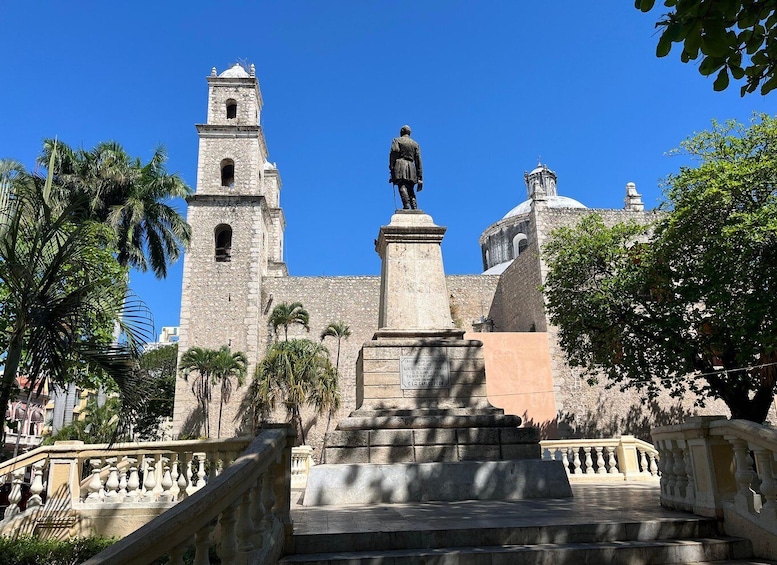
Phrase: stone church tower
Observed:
(237, 232)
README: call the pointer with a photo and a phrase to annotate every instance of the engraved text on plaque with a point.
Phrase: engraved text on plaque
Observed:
(424, 371)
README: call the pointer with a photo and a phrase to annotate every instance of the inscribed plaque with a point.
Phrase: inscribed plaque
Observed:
(418, 372)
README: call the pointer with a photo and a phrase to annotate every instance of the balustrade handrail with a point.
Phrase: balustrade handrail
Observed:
(85, 450)
(756, 434)
(177, 525)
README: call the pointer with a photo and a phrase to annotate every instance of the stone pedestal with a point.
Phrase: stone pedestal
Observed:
(423, 428)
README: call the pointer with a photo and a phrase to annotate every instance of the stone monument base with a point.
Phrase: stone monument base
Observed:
(430, 435)
(425, 482)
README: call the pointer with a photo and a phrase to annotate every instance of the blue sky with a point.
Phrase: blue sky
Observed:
(486, 86)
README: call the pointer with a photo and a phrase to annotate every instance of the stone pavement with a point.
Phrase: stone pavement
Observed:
(611, 502)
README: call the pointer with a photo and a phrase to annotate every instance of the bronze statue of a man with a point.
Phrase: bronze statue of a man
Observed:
(405, 167)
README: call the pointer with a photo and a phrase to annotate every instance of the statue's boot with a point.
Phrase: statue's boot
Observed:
(405, 197)
(413, 204)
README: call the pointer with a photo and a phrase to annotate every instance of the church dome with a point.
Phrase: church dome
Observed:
(551, 201)
(502, 242)
(235, 71)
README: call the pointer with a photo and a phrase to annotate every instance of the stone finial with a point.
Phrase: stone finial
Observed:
(213, 72)
(252, 70)
(633, 199)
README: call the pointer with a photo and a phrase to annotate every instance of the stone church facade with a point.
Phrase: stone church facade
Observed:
(234, 275)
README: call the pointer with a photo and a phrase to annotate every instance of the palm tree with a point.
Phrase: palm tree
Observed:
(325, 396)
(339, 330)
(292, 372)
(62, 292)
(129, 196)
(285, 315)
(226, 366)
(202, 362)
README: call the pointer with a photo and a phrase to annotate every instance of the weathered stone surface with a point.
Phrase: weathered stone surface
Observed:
(481, 480)
(391, 437)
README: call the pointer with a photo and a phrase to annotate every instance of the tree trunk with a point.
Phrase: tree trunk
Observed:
(221, 408)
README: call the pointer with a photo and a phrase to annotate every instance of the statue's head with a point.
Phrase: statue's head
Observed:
(405, 130)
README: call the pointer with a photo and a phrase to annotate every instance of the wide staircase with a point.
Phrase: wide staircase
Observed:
(603, 523)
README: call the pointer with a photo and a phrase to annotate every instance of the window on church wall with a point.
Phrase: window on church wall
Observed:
(228, 173)
(520, 241)
(231, 109)
(223, 235)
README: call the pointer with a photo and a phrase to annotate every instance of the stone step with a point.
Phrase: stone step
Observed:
(687, 551)
(464, 536)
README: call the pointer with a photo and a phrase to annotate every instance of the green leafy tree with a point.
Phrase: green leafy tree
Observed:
(691, 304)
(340, 331)
(736, 38)
(98, 425)
(285, 315)
(295, 372)
(158, 369)
(63, 293)
(228, 365)
(130, 196)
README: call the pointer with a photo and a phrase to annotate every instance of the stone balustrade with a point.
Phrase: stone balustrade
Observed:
(118, 473)
(248, 500)
(623, 458)
(722, 468)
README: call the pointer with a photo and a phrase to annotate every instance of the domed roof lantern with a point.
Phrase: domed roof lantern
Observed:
(541, 182)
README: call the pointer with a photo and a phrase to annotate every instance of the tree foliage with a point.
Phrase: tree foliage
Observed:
(128, 195)
(688, 303)
(733, 38)
(287, 314)
(158, 369)
(212, 366)
(295, 372)
(63, 293)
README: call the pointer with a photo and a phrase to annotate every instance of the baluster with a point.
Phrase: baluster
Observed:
(37, 484)
(743, 474)
(184, 472)
(228, 538)
(174, 491)
(643, 464)
(576, 461)
(95, 483)
(15, 496)
(133, 483)
(176, 554)
(545, 457)
(200, 470)
(667, 469)
(202, 545)
(690, 489)
(765, 461)
(229, 458)
(612, 463)
(257, 513)
(112, 484)
(149, 479)
(681, 478)
(167, 483)
(123, 473)
(600, 470)
(589, 464)
(213, 458)
(268, 504)
(653, 464)
(244, 528)
(565, 458)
